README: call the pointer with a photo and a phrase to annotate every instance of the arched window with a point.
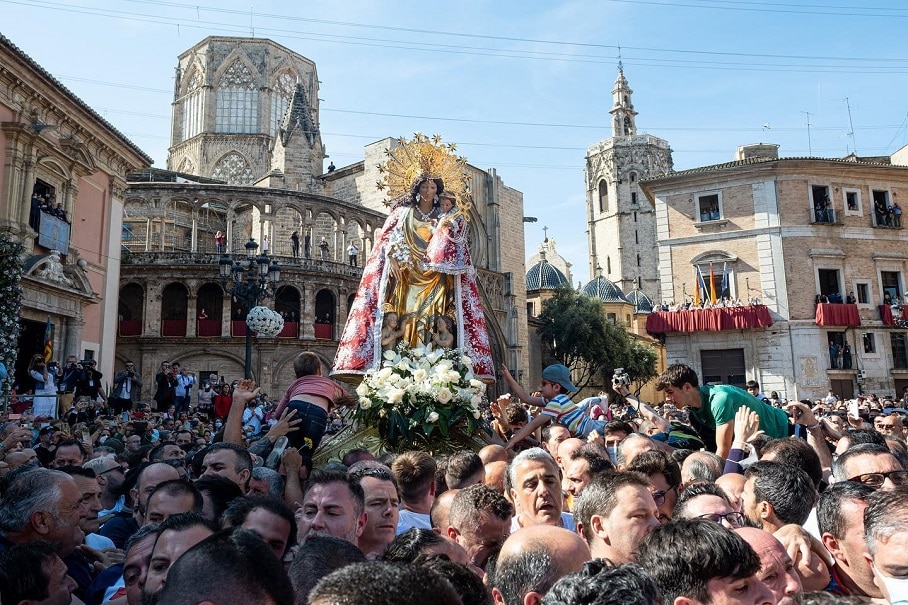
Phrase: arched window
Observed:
(234, 169)
(237, 101)
(281, 95)
(132, 302)
(603, 196)
(174, 308)
(192, 106)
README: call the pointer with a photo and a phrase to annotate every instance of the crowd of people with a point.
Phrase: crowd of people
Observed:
(44, 204)
(716, 495)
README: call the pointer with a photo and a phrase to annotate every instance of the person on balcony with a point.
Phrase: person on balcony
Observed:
(265, 245)
(323, 246)
(295, 244)
(202, 314)
(219, 240)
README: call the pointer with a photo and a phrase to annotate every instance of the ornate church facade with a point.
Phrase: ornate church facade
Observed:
(246, 160)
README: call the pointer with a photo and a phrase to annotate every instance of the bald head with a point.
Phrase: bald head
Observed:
(701, 465)
(441, 510)
(532, 560)
(493, 453)
(732, 484)
(776, 568)
(495, 474)
(566, 448)
(568, 550)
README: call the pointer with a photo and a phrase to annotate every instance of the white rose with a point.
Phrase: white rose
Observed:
(395, 395)
(389, 355)
(365, 403)
(478, 384)
(417, 352)
(383, 375)
(452, 376)
(420, 374)
(443, 395)
(432, 418)
(403, 365)
(466, 360)
(363, 389)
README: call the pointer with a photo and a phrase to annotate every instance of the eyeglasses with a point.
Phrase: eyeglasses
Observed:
(732, 519)
(112, 469)
(876, 480)
(659, 497)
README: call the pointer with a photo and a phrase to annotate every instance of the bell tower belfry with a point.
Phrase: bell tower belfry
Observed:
(624, 117)
(621, 221)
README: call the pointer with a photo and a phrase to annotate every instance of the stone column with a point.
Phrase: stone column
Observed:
(191, 315)
(69, 199)
(307, 318)
(152, 315)
(194, 238)
(226, 316)
(73, 343)
(28, 185)
(148, 227)
(229, 247)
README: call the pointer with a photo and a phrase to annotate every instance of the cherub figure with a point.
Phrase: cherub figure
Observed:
(442, 332)
(392, 329)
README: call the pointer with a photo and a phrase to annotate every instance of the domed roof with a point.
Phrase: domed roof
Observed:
(604, 290)
(642, 303)
(544, 276)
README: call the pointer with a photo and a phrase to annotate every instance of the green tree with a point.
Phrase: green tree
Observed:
(581, 337)
(640, 365)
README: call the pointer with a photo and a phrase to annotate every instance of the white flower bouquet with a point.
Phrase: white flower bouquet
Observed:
(417, 391)
(265, 322)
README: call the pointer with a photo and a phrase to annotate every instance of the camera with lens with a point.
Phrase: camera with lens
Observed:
(620, 377)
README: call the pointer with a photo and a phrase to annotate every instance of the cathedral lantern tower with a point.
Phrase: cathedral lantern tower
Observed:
(622, 223)
(245, 111)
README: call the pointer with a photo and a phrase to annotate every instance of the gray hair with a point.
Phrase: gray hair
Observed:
(621, 455)
(535, 454)
(532, 570)
(886, 515)
(36, 489)
(274, 479)
(704, 465)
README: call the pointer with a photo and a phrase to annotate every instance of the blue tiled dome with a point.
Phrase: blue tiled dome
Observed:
(544, 276)
(604, 290)
(642, 303)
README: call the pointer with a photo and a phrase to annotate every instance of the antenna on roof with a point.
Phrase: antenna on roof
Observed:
(854, 147)
(809, 147)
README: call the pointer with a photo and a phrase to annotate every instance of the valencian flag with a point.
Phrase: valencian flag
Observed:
(696, 286)
(712, 284)
(48, 341)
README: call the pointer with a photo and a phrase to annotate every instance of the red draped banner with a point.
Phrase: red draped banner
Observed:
(711, 320)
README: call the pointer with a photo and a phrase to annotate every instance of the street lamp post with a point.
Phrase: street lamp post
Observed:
(253, 280)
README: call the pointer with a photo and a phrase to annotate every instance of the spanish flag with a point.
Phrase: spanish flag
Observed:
(48, 341)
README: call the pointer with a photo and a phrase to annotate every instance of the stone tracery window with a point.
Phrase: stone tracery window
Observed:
(237, 101)
(281, 95)
(192, 106)
(186, 166)
(234, 169)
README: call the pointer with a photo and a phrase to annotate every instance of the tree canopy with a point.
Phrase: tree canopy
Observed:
(581, 337)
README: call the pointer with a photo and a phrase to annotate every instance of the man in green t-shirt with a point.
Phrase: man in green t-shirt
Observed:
(714, 406)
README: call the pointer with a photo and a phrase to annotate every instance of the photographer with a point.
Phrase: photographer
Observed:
(45, 376)
(90, 385)
(125, 389)
(72, 375)
(182, 388)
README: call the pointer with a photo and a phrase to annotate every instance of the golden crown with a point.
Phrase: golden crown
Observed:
(414, 160)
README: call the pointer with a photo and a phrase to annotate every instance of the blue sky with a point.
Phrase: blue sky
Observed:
(522, 86)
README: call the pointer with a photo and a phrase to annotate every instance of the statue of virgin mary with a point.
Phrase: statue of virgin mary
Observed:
(420, 268)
